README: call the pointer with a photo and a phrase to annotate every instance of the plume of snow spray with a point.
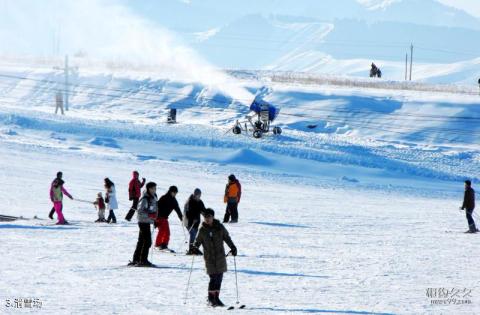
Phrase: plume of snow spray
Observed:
(108, 31)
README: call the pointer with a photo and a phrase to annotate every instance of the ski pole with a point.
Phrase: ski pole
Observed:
(80, 200)
(236, 279)
(190, 229)
(184, 235)
(152, 250)
(188, 283)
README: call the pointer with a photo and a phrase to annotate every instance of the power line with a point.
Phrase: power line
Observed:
(329, 113)
(367, 124)
(149, 101)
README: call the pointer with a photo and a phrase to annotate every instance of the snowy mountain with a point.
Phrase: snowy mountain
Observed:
(301, 36)
(204, 14)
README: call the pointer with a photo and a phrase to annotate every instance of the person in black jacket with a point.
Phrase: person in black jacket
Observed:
(193, 208)
(166, 205)
(211, 236)
(469, 205)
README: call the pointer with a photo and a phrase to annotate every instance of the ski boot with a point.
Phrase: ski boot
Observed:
(217, 299)
(212, 301)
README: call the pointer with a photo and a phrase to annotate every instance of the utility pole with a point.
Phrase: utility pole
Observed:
(66, 82)
(411, 60)
(406, 66)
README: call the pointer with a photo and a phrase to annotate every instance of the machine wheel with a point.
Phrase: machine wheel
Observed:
(277, 130)
(237, 130)
(257, 134)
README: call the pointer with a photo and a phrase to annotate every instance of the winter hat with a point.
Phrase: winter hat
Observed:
(173, 189)
(151, 185)
(135, 173)
(59, 174)
(197, 192)
(468, 182)
(99, 195)
(209, 213)
(231, 177)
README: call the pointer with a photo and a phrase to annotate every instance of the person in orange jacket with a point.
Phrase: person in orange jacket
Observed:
(233, 193)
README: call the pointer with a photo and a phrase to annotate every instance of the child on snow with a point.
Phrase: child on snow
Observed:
(211, 236)
(100, 206)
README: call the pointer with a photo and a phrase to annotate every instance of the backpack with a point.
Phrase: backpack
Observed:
(185, 211)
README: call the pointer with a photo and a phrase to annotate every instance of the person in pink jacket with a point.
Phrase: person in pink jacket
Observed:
(56, 196)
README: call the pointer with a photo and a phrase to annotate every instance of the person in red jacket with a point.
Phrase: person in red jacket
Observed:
(134, 193)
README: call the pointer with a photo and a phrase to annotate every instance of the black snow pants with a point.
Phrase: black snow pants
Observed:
(215, 283)
(131, 212)
(232, 210)
(471, 222)
(143, 244)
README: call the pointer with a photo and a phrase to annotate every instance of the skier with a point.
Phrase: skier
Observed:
(166, 204)
(52, 211)
(111, 200)
(56, 196)
(100, 206)
(59, 103)
(146, 214)
(375, 71)
(211, 236)
(479, 85)
(193, 208)
(469, 205)
(233, 193)
(134, 193)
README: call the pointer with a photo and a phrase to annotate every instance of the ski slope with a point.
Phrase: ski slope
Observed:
(349, 217)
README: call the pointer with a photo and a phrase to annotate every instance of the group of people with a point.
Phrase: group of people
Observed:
(57, 191)
(210, 235)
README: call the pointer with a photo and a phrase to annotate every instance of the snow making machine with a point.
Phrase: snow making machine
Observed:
(259, 120)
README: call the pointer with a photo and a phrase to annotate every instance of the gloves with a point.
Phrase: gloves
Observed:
(234, 251)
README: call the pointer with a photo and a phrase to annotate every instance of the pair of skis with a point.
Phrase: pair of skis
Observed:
(10, 218)
(231, 308)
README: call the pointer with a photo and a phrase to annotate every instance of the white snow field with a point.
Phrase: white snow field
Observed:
(357, 214)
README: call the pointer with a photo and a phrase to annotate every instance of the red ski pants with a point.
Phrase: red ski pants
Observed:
(163, 236)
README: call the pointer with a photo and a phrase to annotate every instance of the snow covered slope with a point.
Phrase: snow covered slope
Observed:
(381, 166)
(437, 127)
(349, 217)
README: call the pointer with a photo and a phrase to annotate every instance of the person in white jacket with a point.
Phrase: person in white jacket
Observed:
(111, 200)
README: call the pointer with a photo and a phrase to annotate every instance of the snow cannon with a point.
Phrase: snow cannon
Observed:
(259, 120)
